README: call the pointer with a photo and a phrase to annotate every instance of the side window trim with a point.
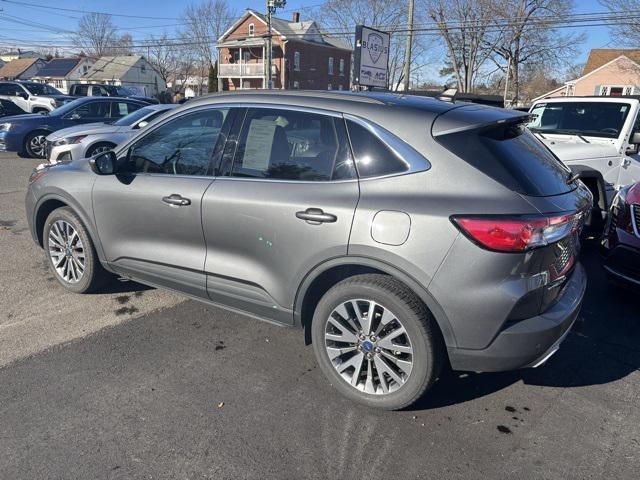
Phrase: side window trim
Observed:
(414, 160)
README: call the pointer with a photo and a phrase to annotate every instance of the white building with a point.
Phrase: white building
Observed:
(61, 73)
(132, 71)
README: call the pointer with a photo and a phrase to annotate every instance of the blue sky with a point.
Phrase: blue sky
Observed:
(596, 36)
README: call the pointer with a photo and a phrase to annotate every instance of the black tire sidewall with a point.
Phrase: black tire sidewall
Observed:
(422, 373)
(86, 283)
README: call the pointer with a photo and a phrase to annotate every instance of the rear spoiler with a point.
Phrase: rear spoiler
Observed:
(475, 117)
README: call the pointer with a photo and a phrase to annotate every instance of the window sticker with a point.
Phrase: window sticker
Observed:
(258, 145)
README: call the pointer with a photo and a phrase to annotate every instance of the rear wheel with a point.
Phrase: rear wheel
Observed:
(376, 342)
(70, 252)
(35, 143)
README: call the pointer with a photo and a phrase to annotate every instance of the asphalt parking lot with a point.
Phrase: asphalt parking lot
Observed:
(139, 383)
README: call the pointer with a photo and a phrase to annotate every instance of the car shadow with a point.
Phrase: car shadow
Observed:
(602, 347)
(121, 285)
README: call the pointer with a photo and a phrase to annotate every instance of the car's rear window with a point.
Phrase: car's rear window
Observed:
(511, 155)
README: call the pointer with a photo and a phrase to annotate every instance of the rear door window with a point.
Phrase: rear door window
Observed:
(511, 155)
(284, 144)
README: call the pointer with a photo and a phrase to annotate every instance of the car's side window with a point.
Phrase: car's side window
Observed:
(183, 146)
(93, 110)
(122, 109)
(82, 90)
(9, 89)
(373, 157)
(292, 145)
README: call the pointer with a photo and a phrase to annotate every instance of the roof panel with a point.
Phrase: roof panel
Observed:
(58, 67)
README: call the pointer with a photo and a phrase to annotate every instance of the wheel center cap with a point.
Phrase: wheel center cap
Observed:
(367, 346)
(68, 252)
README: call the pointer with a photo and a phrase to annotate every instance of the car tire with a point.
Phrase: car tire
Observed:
(71, 254)
(395, 368)
(99, 148)
(34, 144)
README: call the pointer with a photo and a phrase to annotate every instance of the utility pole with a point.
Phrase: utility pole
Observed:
(272, 5)
(406, 71)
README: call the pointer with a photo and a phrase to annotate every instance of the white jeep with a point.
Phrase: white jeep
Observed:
(33, 97)
(597, 137)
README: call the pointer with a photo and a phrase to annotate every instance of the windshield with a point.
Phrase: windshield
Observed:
(592, 119)
(41, 89)
(132, 118)
(123, 91)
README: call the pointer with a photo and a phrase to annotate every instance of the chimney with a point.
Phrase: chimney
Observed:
(296, 17)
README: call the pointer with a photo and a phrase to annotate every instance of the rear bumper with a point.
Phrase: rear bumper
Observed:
(530, 342)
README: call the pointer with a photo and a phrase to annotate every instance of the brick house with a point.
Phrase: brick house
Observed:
(304, 56)
(608, 71)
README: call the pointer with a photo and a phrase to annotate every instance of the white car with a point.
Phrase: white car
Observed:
(87, 140)
(33, 97)
(597, 137)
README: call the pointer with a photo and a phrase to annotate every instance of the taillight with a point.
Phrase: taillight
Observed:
(517, 233)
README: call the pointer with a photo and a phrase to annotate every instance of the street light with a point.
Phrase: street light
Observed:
(272, 5)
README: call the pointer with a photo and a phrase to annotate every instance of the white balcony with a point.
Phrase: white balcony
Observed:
(242, 69)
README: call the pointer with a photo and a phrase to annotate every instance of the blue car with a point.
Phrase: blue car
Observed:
(26, 134)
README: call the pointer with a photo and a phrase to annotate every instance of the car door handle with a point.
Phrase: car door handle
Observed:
(316, 215)
(176, 200)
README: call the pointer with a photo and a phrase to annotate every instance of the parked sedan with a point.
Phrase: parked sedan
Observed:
(87, 140)
(27, 133)
(621, 241)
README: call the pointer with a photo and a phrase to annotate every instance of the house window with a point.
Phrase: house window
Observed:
(329, 87)
(252, 29)
(296, 61)
(342, 67)
(340, 87)
(58, 83)
(330, 66)
(143, 68)
(296, 85)
(616, 90)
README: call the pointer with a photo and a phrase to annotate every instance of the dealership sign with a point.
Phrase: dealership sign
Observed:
(371, 57)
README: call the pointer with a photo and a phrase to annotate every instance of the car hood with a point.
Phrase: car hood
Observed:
(567, 150)
(88, 129)
(26, 118)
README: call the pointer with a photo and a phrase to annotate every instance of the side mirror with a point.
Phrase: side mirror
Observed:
(635, 138)
(24, 95)
(104, 163)
(143, 124)
(75, 116)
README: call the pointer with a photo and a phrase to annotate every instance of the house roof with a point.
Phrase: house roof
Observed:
(308, 31)
(599, 57)
(107, 68)
(17, 67)
(58, 67)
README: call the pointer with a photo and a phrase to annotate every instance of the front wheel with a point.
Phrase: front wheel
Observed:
(35, 143)
(70, 252)
(376, 342)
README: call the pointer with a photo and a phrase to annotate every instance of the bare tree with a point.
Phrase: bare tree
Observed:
(175, 63)
(98, 36)
(205, 23)
(527, 37)
(465, 27)
(339, 18)
(627, 34)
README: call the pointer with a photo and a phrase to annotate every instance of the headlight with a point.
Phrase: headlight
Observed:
(5, 127)
(68, 140)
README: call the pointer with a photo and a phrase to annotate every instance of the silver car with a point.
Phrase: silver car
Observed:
(85, 141)
(401, 233)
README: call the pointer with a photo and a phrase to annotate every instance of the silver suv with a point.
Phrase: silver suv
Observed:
(401, 233)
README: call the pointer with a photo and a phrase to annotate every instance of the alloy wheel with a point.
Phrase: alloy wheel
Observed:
(368, 346)
(66, 251)
(37, 145)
